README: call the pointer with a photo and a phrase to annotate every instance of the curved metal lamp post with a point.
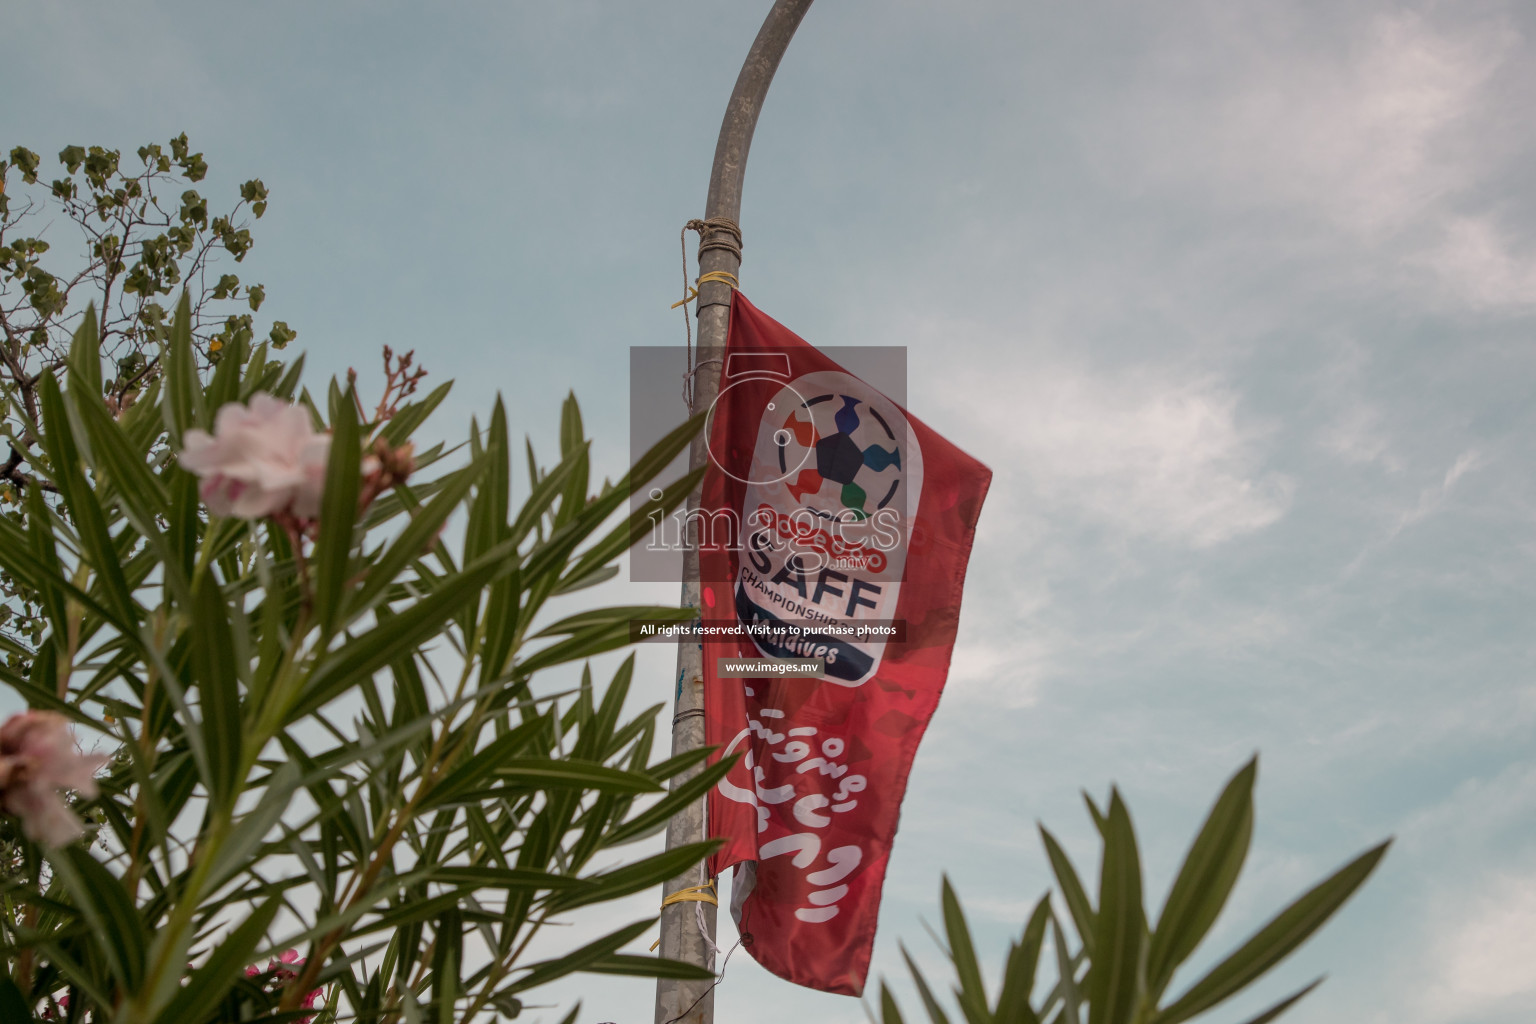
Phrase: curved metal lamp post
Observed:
(685, 1002)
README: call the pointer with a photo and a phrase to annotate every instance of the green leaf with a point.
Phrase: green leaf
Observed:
(633, 530)
(1066, 982)
(660, 455)
(631, 878)
(573, 446)
(1205, 880)
(211, 982)
(224, 388)
(972, 992)
(591, 579)
(289, 382)
(213, 666)
(1094, 813)
(617, 615)
(416, 537)
(338, 514)
(474, 772)
(447, 957)
(397, 635)
(404, 423)
(1289, 929)
(935, 1011)
(90, 520)
(1285, 1004)
(140, 490)
(634, 966)
(481, 877)
(13, 1006)
(1115, 985)
(658, 814)
(235, 855)
(574, 774)
(85, 353)
(182, 404)
(1071, 889)
(107, 906)
(540, 498)
(890, 1013)
(579, 959)
(1019, 972)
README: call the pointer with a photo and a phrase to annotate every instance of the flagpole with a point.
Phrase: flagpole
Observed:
(692, 1002)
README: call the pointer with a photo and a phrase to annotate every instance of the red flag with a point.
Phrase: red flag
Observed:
(836, 528)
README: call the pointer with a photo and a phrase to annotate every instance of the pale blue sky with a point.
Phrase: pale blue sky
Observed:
(1236, 300)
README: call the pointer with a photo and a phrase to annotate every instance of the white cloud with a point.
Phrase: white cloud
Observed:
(1138, 451)
(1488, 958)
(1476, 263)
(1348, 129)
(1376, 132)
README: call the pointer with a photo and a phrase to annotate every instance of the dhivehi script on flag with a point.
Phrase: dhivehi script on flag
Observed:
(835, 528)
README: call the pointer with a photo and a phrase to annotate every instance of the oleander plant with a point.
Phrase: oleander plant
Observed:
(291, 751)
(1122, 961)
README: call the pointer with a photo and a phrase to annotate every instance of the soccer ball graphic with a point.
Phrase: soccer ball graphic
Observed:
(850, 458)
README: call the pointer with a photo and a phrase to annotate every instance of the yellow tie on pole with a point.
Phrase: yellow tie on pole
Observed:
(693, 894)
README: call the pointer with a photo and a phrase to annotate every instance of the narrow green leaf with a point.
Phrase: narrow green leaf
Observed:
(338, 514)
(224, 388)
(1071, 889)
(395, 636)
(211, 982)
(415, 538)
(253, 827)
(659, 813)
(182, 404)
(1115, 984)
(1019, 972)
(890, 1013)
(447, 958)
(936, 1012)
(139, 488)
(633, 530)
(213, 666)
(617, 615)
(13, 1006)
(631, 878)
(1066, 980)
(1285, 1004)
(573, 446)
(972, 992)
(1094, 813)
(540, 498)
(474, 772)
(404, 423)
(580, 959)
(631, 965)
(85, 354)
(661, 454)
(285, 387)
(89, 518)
(481, 877)
(184, 522)
(1289, 929)
(1205, 880)
(546, 774)
(114, 920)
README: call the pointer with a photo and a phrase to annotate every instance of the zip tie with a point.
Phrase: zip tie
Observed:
(715, 233)
(694, 894)
(714, 276)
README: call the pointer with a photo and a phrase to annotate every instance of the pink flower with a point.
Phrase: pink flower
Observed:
(259, 460)
(37, 759)
(284, 970)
